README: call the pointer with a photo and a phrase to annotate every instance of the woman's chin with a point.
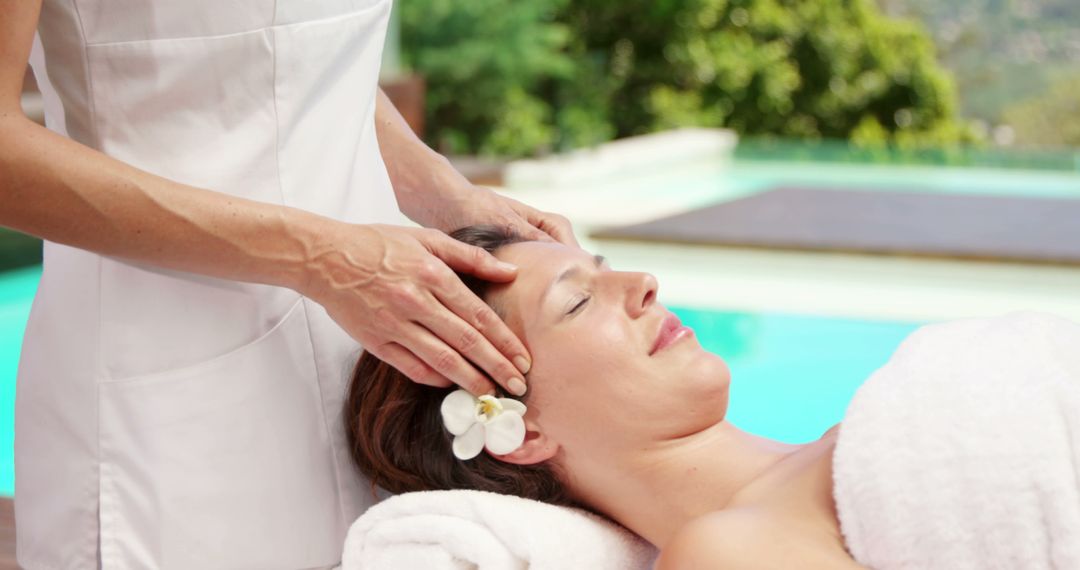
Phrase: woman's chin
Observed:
(710, 369)
(706, 381)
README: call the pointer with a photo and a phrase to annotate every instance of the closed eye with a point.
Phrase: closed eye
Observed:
(578, 306)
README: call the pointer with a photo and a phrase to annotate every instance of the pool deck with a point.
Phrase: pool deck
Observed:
(836, 283)
(875, 222)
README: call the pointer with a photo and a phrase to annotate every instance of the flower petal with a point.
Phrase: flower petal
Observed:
(505, 433)
(510, 405)
(458, 411)
(469, 444)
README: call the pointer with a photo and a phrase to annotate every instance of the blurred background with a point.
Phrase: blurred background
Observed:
(544, 76)
(955, 97)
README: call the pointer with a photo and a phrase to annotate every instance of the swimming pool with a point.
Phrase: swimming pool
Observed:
(16, 294)
(792, 375)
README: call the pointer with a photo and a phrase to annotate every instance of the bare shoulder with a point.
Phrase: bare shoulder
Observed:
(747, 539)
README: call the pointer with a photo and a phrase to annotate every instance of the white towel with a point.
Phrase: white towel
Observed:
(963, 451)
(452, 530)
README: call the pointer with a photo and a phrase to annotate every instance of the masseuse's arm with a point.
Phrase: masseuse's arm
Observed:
(391, 288)
(434, 194)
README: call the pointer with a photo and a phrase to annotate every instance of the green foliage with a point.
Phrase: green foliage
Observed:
(483, 60)
(18, 250)
(596, 69)
(1052, 119)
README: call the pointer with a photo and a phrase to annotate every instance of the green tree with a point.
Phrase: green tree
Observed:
(592, 70)
(483, 60)
(803, 68)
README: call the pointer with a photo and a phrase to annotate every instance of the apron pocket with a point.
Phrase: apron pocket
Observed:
(221, 464)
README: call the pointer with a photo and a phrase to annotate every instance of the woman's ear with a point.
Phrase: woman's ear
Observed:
(536, 448)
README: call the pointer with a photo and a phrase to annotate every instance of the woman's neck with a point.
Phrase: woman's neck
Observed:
(656, 490)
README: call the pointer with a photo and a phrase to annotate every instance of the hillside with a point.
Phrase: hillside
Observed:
(1002, 52)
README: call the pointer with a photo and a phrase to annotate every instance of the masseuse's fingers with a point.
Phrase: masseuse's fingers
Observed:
(468, 337)
(556, 226)
(397, 356)
(446, 361)
(478, 333)
(465, 258)
(543, 226)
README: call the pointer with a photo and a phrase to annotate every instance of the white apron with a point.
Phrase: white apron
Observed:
(168, 420)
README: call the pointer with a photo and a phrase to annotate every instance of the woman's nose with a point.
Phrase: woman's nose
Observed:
(641, 293)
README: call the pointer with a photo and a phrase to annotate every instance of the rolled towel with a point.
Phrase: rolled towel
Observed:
(963, 451)
(453, 530)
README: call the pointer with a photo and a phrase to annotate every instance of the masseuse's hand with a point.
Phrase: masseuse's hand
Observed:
(467, 205)
(528, 221)
(394, 290)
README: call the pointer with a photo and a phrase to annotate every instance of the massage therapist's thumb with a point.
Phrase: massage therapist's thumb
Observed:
(473, 260)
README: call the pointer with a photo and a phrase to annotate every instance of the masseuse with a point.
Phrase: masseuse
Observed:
(218, 191)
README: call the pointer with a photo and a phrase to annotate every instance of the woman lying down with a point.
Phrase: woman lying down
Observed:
(962, 452)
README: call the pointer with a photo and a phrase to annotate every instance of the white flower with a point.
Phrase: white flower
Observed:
(497, 423)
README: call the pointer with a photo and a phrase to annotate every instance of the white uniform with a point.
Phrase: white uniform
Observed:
(168, 420)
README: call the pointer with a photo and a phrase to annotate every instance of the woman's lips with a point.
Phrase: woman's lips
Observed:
(671, 331)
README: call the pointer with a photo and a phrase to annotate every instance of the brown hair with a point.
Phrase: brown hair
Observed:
(396, 435)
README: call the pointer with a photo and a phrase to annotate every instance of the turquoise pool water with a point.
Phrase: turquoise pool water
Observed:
(792, 376)
(16, 294)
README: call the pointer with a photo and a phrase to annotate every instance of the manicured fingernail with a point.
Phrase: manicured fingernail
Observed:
(522, 364)
(506, 266)
(517, 387)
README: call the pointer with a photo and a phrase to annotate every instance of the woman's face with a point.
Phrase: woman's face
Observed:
(596, 387)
